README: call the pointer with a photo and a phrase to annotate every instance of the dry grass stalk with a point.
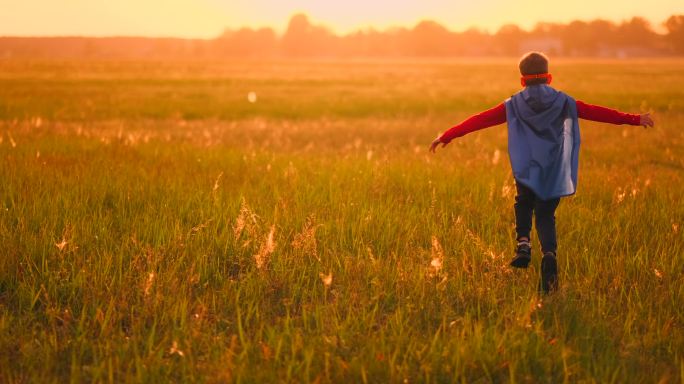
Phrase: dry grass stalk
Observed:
(148, 283)
(326, 279)
(201, 226)
(437, 257)
(216, 183)
(66, 240)
(174, 350)
(246, 220)
(266, 249)
(306, 239)
(62, 244)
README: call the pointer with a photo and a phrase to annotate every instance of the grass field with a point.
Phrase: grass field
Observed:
(157, 226)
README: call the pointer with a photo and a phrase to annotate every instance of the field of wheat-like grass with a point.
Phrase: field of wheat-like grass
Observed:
(283, 222)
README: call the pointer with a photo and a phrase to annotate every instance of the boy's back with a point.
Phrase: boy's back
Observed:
(543, 140)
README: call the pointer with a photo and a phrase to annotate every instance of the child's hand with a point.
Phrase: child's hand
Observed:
(646, 120)
(435, 143)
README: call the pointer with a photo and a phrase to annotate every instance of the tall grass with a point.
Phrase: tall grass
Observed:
(157, 226)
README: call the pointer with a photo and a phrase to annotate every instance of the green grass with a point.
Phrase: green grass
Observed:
(161, 184)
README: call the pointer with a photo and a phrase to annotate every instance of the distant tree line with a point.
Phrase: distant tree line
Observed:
(598, 38)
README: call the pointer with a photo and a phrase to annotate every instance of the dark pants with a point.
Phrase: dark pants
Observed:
(527, 203)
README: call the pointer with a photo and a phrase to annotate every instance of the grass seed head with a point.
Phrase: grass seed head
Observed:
(306, 239)
(66, 239)
(437, 257)
(266, 249)
(148, 283)
(326, 279)
(175, 351)
(62, 244)
(200, 226)
(216, 183)
(246, 220)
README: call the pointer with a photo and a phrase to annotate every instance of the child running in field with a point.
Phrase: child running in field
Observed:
(543, 147)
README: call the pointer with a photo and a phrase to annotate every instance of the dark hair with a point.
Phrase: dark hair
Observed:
(534, 63)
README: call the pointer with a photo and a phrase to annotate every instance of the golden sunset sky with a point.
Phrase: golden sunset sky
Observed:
(208, 18)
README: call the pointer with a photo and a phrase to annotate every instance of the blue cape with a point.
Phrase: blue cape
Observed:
(543, 140)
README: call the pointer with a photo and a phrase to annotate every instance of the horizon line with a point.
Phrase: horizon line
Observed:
(364, 28)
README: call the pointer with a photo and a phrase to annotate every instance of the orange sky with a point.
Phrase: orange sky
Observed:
(208, 18)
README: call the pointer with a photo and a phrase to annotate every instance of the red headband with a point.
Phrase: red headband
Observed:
(524, 78)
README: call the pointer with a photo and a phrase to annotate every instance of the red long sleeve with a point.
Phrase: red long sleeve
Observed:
(605, 115)
(488, 118)
(497, 115)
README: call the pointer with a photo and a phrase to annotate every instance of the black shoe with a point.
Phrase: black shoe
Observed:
(549, 273)
(523, 255)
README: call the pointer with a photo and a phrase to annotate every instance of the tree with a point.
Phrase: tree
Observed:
(429, 38)
(604, 32)
(304, 39)
(675, 32)
(578, 39)
(636, 32)
(247, 42)
(508, 39)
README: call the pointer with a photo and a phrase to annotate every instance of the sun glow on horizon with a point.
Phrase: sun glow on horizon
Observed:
(208, 18)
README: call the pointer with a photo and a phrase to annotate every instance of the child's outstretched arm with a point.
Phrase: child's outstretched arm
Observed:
(488, 118)
(612, 116)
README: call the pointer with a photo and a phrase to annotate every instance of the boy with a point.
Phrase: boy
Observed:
(543, 147)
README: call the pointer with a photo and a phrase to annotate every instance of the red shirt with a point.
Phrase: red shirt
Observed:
(497, 115)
